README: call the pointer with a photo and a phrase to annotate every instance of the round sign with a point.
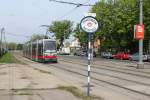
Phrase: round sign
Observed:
(89, 24)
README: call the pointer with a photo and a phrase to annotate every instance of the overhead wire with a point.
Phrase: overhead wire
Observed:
(71, 3)
(17, 35)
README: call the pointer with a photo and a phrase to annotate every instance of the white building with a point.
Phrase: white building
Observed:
(75, 43)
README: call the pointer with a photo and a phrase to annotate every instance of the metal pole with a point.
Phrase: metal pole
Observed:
(141, 64)
(37, 50)
(1, 38)
(1, 41)
(31, 51)
(89, 63)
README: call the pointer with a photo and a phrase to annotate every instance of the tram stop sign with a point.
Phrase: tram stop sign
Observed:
(89, 24)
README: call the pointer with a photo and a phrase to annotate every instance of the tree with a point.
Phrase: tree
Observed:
(117, 21)
(19, 46)
(82, 36)
(147, 24)
(12, 46)
(35, 37)
(62, 30)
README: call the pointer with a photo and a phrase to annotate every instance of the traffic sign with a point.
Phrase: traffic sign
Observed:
(89, 24)
(90, 14)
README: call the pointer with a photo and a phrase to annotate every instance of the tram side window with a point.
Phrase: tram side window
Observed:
(34, 49)
(40, 49)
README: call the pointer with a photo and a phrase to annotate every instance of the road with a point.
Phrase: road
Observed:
(110, 79)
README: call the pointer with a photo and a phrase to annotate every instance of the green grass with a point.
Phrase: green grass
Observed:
(8, 58)
(77, 93)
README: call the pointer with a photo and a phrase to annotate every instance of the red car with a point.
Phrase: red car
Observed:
(122, 56)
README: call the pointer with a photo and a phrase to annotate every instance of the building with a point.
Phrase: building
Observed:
(96, 45)
(74, 45)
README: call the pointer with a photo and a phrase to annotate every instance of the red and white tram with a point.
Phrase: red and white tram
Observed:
(43, 50)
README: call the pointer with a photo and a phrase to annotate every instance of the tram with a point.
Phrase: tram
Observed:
(43, 50)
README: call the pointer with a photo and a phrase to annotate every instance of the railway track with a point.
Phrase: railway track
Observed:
(97, 80)
(98, 72)
(124, 67)
(111, 68)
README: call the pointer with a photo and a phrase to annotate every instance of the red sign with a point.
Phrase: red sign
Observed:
(139, 32)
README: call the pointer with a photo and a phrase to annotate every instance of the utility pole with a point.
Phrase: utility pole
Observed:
(140, 64)
(1, 45)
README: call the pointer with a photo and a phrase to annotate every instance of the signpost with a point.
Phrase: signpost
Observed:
(89, 25)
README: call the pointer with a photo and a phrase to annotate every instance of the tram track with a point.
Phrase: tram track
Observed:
(114, 69)
(96, 80)
(111, 76)
(125, 67)
(103, 81)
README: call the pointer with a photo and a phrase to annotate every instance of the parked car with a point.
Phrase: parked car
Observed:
(148, 57)
(83, 53)
(135, 57)
(80, 53)
(122, 56)
(107, 55)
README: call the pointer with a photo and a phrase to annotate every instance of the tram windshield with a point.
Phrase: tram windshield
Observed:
(50, 46)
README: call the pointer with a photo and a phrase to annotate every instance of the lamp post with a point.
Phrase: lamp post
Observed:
(140, 63)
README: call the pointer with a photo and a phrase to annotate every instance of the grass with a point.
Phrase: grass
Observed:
(8, 58)
(77, 93)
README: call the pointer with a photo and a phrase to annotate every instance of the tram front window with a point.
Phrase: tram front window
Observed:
(50, 46)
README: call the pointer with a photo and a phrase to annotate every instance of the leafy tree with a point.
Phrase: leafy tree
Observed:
(35, 37)
(12, 46)
(62, 30)
(117, 21)
(147, 24)
(19, 46)
(82, 36)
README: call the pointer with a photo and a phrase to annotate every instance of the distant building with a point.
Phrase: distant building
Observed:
(74, 45)
(96, 45)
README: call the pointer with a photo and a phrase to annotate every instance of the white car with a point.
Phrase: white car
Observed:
(135, 57)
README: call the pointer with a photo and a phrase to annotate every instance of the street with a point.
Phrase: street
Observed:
(117, 80)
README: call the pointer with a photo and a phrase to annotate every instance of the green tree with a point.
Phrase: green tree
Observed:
(19, 46)
(82, 36)
(117, 21)
(12, 46)
(147, 24)
(62, 30)
(35, 37)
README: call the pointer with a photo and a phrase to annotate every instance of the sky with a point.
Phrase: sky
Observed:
(25, 17)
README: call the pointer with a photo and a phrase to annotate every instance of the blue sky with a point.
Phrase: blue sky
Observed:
(24, 17)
